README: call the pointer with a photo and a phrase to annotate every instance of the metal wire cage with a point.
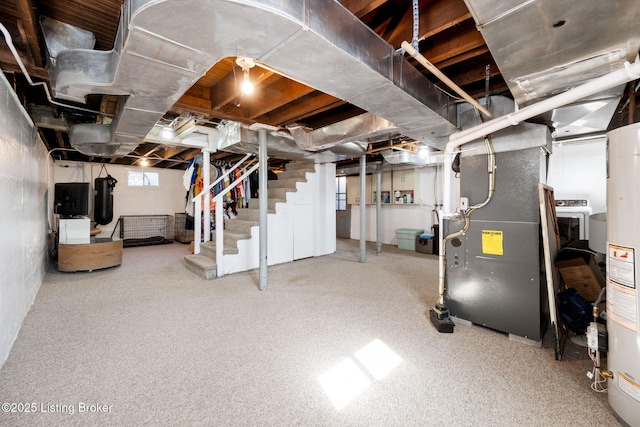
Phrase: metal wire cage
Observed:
(142, 230)
(182, 234)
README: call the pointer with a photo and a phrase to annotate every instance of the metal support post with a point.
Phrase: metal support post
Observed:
(263, 205)
(379, 209)
(363, 207)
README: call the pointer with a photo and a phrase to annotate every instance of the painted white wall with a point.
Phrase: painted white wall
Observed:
(23, 198)
(579, 171)
(418, 215)
(166, 199)
(576, 171)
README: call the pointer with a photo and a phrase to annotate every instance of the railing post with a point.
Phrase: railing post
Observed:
(219, 237)
(197, 229)
(206, 178)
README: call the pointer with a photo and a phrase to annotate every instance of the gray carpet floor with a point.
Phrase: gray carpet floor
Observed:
(149, 343)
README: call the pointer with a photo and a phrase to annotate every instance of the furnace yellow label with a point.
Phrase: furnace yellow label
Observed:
(492, 242)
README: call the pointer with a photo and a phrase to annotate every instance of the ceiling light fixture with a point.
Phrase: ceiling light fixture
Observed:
(167, 133)
(246, 64)
(144, 162)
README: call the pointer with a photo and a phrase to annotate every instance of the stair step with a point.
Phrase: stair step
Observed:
(252, 214)
(232, 236)
(239, 225)
(254, 204)
(208, 249)
(284, 183)
(239, 228)
(309, 166)
(202, 266)
(300, 174)
(280, 193)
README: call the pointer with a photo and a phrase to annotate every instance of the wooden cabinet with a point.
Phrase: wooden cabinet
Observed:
(403, 186)
(403, 180)
(353, 190)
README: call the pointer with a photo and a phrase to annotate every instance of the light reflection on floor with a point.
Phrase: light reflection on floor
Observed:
(345, 381)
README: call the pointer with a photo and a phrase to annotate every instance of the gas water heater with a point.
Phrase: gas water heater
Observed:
(623, 272)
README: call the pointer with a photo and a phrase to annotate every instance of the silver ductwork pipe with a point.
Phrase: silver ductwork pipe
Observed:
(363, 127)
(163, 47)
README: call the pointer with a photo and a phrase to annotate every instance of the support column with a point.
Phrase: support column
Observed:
(263, 205)
(363, 208)
(379, 209)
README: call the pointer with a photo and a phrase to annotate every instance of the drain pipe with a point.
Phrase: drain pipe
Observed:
(630, 71)
(363, 207)
(263, 204)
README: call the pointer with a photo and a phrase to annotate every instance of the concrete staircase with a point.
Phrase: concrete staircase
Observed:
(240, 227)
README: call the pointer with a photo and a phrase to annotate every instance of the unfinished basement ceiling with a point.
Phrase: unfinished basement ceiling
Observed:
(452, 36)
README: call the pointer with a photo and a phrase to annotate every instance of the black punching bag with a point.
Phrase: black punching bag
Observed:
(103, 206)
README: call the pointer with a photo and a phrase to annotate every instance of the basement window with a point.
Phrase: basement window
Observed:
(139, 179)
(341, 193)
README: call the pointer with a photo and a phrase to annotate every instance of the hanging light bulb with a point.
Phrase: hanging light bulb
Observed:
(246, 64)
(247, 86)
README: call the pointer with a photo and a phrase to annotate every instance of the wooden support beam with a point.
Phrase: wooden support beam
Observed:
(29, 16)
(361, 7)
(435, 17)
(447, 46)
(8, 64)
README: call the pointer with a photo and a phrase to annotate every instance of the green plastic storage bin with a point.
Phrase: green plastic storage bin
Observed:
(407, 238)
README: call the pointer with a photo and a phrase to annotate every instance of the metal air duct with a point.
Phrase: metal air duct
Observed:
(163, 46)
(545, 47)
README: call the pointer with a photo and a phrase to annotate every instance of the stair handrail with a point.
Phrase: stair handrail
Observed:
(220, 178)
(245, 171)
(197, 209)
(220, 220)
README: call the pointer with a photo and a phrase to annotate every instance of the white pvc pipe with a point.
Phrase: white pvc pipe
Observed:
(627, 73)
(595, 86)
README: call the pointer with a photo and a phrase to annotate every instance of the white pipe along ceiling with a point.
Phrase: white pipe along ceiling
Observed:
(155, 60)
